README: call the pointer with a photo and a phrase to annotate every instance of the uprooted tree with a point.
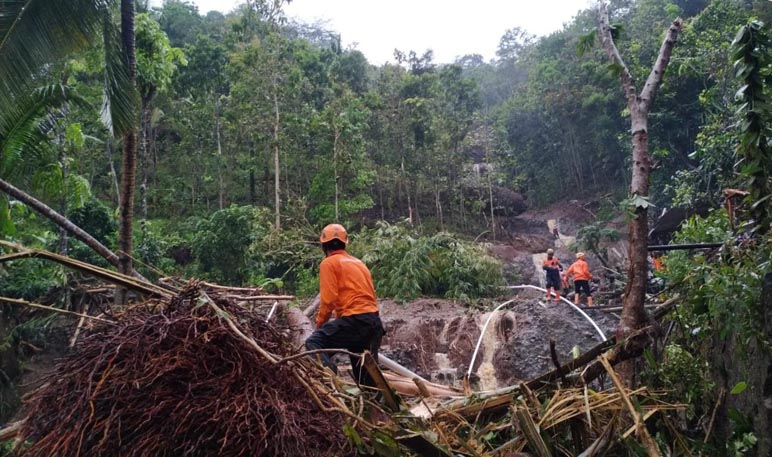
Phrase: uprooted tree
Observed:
(639, 104)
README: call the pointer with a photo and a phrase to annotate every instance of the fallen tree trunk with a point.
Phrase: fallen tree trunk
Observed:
(64, 223)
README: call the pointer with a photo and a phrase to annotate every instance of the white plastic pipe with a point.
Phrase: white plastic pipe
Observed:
(482, 333)
(589, 319)
(490, 316)
(399, 369)
(273, 308)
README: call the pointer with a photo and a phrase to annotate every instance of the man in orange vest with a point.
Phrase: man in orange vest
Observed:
(346, 289)
(551, 265)
(581, 272)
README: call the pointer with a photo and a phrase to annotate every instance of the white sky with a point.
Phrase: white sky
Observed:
(451, 28)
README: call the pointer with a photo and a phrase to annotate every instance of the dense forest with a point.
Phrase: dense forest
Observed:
(222, 146)
(249, 117)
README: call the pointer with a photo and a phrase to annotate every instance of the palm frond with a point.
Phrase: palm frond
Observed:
(120, 105)
(47, 181)
(35, 33)
(19, 125)
(78, 191)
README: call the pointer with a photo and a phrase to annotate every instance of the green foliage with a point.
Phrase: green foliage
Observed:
(722, 305)
(157, 60)
(742, 445)
(407, 265)
(752, 57)
(30, 278)
(221, 242)
(724, 293)
(688, 376)
(592, 235)
(286, 260)
(27, 47)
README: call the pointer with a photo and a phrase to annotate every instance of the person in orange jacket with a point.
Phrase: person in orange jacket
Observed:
(581, 272)
(345, 289)
(551, 265)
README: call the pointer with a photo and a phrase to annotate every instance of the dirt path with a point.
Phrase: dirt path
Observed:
(563, 240)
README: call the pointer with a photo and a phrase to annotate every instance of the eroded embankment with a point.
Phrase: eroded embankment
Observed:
(436, 338)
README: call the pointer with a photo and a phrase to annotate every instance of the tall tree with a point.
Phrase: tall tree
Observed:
(129, 153)
(27, 52)
(157, 62)
(633, 313)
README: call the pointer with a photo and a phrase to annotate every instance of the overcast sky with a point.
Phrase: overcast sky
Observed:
(451, 28)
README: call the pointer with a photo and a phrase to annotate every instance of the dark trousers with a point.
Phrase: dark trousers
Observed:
(553, 280)
(356, 334)
(582, 285)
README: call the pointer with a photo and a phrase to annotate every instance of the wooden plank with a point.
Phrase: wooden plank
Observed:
(392, 401)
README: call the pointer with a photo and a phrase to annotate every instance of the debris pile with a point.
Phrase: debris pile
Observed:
(179, 377)
(197, 371)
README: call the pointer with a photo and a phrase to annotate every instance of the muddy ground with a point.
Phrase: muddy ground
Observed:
(437, 338)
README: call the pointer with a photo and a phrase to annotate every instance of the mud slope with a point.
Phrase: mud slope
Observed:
(436, 338)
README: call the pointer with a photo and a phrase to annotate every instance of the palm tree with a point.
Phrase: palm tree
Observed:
(36, 33)
(129, 162)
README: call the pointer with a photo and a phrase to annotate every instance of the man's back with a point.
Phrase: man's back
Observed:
(346, 286)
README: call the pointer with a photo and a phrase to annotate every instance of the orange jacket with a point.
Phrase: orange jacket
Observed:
(345, 286)
(552, 263)
(580, 270)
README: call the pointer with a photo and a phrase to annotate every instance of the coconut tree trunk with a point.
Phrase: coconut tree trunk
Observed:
(64, 223)
(129, 159)
(633, 314)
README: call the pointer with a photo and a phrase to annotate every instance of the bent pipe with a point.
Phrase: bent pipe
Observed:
(525, 286)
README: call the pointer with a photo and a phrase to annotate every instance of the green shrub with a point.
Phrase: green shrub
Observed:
(288, 260)
(221, 242)
(407, 265)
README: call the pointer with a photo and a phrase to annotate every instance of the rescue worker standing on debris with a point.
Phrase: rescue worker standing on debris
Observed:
(581, 272)
(346, 289)
(552, 266)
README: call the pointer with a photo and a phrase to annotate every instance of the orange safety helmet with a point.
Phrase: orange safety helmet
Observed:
(334, 232)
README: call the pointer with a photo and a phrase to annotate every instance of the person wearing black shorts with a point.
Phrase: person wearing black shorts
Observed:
(552, 267)
(581, 273)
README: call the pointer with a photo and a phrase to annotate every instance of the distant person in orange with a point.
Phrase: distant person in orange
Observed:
(657, 262)
(581, 272)
(551, 265)
(345, 289)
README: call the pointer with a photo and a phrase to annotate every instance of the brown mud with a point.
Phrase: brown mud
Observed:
(436, 338)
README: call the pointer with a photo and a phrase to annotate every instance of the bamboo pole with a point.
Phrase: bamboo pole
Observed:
(16, 301)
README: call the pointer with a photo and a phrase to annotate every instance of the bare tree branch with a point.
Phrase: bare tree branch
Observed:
(658, 70)
(607, 43)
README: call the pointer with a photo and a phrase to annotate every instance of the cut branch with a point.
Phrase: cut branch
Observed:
(59, 220)
(62, 222)
(51, 308)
